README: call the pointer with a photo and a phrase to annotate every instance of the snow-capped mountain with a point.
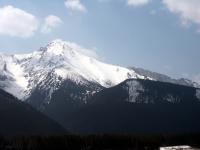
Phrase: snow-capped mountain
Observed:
(36, 76)
(84, 94)
(48, 67)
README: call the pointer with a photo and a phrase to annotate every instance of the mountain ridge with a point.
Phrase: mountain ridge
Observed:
(62, 81)
(22, 74)
(165, 78)
(25, 72)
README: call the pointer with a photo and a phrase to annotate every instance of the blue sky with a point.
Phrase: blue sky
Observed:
(159, 35)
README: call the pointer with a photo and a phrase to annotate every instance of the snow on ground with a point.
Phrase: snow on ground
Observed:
(184, 147)
(134, 89)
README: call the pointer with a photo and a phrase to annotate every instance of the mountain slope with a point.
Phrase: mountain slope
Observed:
(44, 71)
(140, 107)
(88, 96)
(35, 77)
(18, 118)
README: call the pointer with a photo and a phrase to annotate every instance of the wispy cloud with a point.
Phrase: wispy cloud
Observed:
(50, 23)
(17, 22)
(102, 1)
(137, 2)
(188, 10)
(75, 5)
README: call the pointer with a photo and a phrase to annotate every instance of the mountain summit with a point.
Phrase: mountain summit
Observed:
(60, 60)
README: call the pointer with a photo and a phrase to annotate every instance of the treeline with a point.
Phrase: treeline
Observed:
(97, 142)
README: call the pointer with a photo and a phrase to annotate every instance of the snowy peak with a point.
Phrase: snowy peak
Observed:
(59, 47)
(63, 49)
(68, 58)
(63, 61)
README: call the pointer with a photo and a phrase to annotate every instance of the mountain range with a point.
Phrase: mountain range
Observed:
(85, 95)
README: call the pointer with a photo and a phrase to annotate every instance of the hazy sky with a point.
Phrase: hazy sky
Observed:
(159, 35)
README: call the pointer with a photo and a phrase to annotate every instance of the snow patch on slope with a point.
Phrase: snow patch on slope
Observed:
(172, 99)
(17, 72)
(198, 93)
(134, 89)
(14, 81)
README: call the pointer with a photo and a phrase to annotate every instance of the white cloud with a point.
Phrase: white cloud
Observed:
(16, 22)
(137, 2)
(89, 52)
(188, 10)
(50, 23)
(75, 5)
